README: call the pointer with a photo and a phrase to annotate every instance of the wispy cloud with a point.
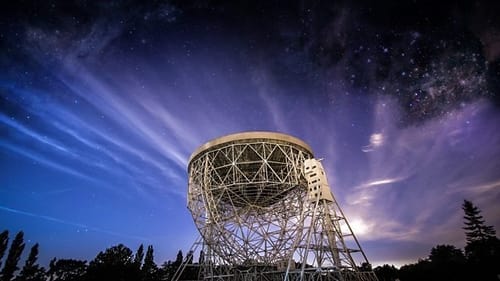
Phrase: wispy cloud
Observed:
(39, 138)
(478, 188)
(115, 135)
(71, 136)
(265, 88)
(122, 112)
(46, 162)
(84, 227)
(380, 182)
(418, 179)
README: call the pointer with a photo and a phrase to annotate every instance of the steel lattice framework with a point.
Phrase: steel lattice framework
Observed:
(257, 216)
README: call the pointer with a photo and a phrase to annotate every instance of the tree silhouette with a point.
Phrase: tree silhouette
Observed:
(4, 240)
(416, 272)
(475, 230)
(15, 251)
(116, 263)
(365, 266)
(386, 272)
(189, 257)
(447, 263)
(67, 270)
(139, 256)
(149, 269)
(179, 258)
(166, 270)
(31, 270)
(483, 247)
(443, 254)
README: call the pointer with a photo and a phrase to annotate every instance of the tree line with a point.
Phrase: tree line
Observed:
(479, 260)
(115, 263)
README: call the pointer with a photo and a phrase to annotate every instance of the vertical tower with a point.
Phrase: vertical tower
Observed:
(327, 246)
(265, 211)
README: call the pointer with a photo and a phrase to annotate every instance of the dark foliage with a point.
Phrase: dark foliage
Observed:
(31, 270)
(139, 256)
(189, 257)
(446, 262)
(483, 258)
(483, 247)
(475, 229)
(149, 269)
(4, 240)
(15, 251)
(417, 271)
(67, 270)
(446, 254)
(178, 260)
(386, 272)
(116, 263)
(365, 267)
(166, 271)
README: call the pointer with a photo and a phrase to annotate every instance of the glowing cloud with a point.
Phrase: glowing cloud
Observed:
(380, 182)
(376, 140)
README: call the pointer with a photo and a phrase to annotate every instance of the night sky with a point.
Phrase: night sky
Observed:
(102, 103)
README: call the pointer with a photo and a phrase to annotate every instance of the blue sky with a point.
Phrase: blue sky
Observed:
(99, 115)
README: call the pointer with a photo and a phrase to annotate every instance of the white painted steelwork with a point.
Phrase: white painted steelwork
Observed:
(265, 211)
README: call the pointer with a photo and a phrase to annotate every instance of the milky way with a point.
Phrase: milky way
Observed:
(103, 103)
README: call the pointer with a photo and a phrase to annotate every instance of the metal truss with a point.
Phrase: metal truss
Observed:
(327, 249)
(248, 198)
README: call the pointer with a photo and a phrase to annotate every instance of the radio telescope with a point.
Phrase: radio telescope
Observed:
(264, 209)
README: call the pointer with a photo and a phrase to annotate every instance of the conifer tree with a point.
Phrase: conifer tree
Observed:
(475, 229)
(189, 257)
(179, 258)
(15, 251)
(149, 268)
(139, 256)
(31, 270)
(4, 240)
(483, 247)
